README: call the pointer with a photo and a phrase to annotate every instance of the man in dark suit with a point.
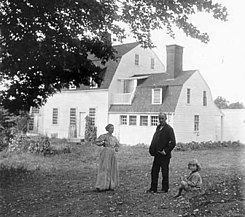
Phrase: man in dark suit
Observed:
(163, 142)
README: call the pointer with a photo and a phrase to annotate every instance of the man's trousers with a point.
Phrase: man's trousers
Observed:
(163, 163)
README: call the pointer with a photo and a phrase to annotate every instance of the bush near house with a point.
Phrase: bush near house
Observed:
(21, 143)
(10, 125)
(7, 122)
(90, 130)
(42, 145)
(199, 145)
(205, 145)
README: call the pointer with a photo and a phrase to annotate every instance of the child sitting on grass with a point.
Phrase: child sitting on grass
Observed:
(193, 181)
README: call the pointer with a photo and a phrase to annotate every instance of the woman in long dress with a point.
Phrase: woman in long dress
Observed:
(108, 176)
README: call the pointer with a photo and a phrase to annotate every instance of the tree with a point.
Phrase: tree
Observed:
(221, 102)
(45, 44)
(236, 105)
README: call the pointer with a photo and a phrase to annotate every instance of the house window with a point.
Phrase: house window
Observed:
(72, 87)
(132, 120)
(157, 96)
(188, 95)
(204, 99)
(137, 59)
(31, 120)
(123, 119)
(55, 116)
(92, 112)
(152, 63)
(126, 86)
(31, 123)
(196, 123)
(72, 116)
(34, 110)
(154, 120)
(92, 83)
(143, 120)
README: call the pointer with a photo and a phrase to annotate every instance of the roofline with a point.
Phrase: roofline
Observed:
(85, 90)
(138, 112)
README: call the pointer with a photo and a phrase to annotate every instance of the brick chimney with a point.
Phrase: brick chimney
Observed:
(174, 60)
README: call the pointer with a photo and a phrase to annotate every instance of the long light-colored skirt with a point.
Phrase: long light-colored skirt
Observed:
(108, 176)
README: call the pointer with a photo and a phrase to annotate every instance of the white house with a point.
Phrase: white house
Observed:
(134, 89)
(234, 125)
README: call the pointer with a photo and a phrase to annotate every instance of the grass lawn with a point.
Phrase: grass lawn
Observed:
(62, 185)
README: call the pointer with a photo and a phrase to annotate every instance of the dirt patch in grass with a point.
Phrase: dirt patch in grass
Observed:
(65, 186)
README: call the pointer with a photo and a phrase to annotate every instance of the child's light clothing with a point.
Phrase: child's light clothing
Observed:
(192, 182)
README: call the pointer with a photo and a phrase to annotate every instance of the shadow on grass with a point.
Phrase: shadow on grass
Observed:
(13, 175)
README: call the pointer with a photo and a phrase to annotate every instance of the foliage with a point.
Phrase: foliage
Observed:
(205, 145)
(22, 121)
(222, 103)
(37, 144)
(11, 124)
(19, 143)
(198, 145)
(46, 43)
(40, 145)
(90, 130)
(7, 124)
(236, 105)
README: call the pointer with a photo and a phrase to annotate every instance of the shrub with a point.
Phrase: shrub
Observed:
(11, 124)
(62, 148)
(40, 145)
(19, 143)
(36, 144)
(204, 145)
(7, 123)
(90, 130)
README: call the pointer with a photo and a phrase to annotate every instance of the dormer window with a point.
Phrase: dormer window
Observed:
(157, 96)
(72, 87)
(152, 63)
(126, 86)
(92, 83)
(137, 59)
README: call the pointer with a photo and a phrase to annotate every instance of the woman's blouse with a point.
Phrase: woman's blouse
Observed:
(107, 140)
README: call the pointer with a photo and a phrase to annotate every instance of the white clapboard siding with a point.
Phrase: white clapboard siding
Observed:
(234, 125)
(132, 135)
(127, 68)
(209, 116)
(81, 100)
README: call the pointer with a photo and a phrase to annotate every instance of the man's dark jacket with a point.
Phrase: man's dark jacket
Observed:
(163, 139)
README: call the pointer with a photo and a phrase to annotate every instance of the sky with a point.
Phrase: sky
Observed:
(221, 61)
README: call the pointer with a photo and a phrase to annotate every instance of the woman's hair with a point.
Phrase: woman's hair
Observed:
(108, 126)
(195, 162)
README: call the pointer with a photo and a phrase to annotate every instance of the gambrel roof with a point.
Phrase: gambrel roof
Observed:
(111, 66)
(171, 89)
